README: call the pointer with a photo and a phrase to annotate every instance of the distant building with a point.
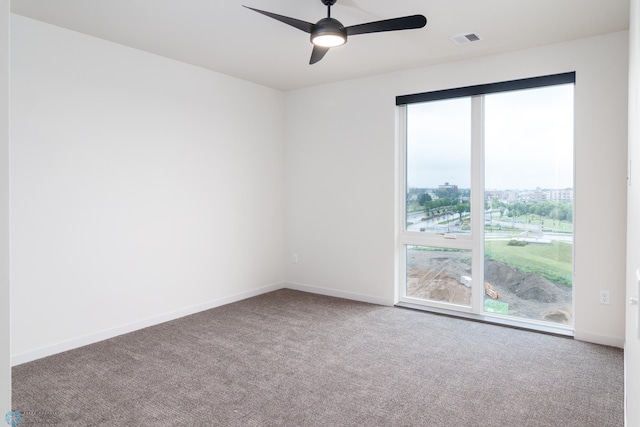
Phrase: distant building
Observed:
(540, 196)
(448, 187)
(494, 194)
(537, 195)
(565, 195)
(511, 196)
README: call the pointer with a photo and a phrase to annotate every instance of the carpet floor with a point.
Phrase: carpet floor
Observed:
(290, 358)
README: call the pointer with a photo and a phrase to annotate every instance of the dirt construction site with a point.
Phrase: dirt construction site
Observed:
(445, 277)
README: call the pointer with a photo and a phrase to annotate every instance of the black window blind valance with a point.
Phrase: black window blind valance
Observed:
(529, 83)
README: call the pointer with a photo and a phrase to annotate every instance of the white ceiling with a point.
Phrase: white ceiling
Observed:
(225, 37)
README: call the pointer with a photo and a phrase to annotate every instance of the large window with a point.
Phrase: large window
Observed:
(487, 180)
(439, 166)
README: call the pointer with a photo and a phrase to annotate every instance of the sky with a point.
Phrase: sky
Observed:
(528, 140)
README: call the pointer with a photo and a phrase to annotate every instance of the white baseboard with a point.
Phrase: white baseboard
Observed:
(18, 359)
(599, 339)
(339, 294)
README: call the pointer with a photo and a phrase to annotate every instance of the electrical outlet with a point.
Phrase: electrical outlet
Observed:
(294, 258)
(604, 297)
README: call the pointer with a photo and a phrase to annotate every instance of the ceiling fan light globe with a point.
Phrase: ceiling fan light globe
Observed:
(328, 40)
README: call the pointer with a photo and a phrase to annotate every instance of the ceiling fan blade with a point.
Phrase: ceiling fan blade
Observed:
(318, 53)
(395, 24)
(301, 25)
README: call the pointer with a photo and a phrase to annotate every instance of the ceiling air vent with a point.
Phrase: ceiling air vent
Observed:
(466, 38)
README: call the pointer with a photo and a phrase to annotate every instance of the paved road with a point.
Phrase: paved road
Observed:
(448, 224)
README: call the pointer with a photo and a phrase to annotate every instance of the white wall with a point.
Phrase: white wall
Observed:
(340, 169)
(5, 370)
(632, 344)
(142, 189)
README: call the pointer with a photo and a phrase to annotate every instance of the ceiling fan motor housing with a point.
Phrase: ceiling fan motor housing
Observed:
(328, 27)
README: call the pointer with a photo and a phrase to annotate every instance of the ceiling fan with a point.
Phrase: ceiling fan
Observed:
(329, 32)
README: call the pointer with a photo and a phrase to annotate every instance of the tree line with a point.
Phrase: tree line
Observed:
(560, 211)
(449, 201)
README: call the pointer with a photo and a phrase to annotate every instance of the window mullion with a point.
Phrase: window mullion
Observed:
(401, 203)
(477, 202)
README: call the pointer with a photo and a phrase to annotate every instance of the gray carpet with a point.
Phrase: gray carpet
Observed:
(290, 358)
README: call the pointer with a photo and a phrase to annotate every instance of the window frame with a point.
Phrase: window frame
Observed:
(474, 241)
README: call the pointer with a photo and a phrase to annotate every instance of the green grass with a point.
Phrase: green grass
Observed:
(553, 262)
(547, 223)
(557, 226)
